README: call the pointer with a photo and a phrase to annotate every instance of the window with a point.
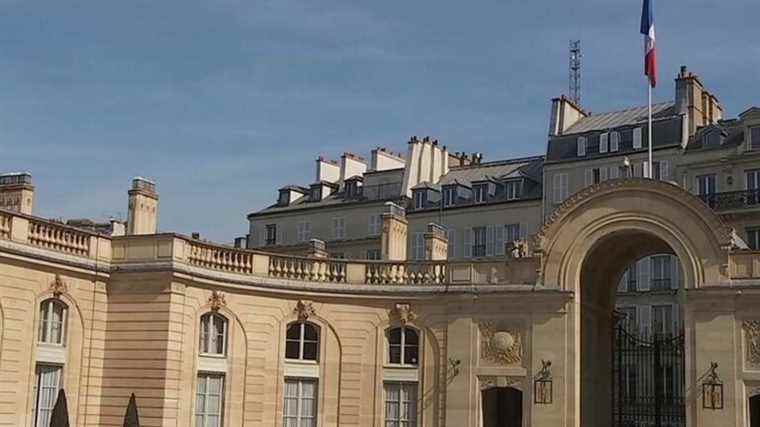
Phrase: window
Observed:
(754, 138)
(209, 400)
(375, 225)
(512, 232)
(479, 235)
(604, 142)
(662, 319)
(661, 273)
(451, 234)
(403, 346)
(302, 341)
(300, 403)
(418, 246)
(753, 238)
(339, 228)
(449, 196)
(352, 189)
(271, 234)
(581, 146)
(52, 327)
(661, 170)
(47, 383)
(303, 231)
(706, 184)
(213, 336)
(316, 194)
(400, 404)
(373, 254)
(632, 278)
(614, 141)
(637, 138)
(420, 199)
(284, 198)
(560, 191)
(513, 189)
(480, 193)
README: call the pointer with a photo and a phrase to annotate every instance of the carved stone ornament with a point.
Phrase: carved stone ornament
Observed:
(503, 347)
(403, 313)
(304, 309)
(752, 334)
(216, 300)
(491, 381)
(58, 286)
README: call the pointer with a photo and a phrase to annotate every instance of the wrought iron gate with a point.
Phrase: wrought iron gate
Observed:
(647, 380)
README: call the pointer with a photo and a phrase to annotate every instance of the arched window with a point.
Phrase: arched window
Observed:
(213, 337)
(403, 346)
(52, 328)
(302, 341)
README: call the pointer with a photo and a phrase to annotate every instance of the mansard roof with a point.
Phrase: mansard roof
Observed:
(627, 117)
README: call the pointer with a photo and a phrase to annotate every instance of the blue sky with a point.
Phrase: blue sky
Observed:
(224, 101)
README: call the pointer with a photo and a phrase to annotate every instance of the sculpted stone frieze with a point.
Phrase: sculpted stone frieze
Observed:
(752, 342)
(502, 346)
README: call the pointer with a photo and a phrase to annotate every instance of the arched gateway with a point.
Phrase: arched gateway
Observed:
(586, 245)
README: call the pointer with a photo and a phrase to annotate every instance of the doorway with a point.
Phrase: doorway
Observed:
(754, 411)
(502, 407)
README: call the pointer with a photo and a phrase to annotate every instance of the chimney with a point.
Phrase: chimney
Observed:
(142, 216)
(564, 114)
(327, 170)
(17, 192)
(697, 105)
(426, 161)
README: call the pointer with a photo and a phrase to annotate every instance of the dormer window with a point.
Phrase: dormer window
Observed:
(284, 198)
(513, 189)
(420, 199)
(581, 146)
(352, 189)
(449, 196)
(754, 138)
(316, 193)
(480, 193)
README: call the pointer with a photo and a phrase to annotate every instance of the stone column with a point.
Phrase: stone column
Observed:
(436, 243)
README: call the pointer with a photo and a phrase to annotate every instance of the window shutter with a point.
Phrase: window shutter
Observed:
(665, 170)
(581, 146)
(614, 172)
(563, 189)
(603, 142)
(645, 169)
(614, 141)
(645, 271)
(468, 242)
(490, 240)
(556, 186)
(603, 174)
(589, 177)
(637, 138)
(499, 239)
(451, 234)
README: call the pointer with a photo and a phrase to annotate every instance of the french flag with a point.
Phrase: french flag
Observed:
(650, 54)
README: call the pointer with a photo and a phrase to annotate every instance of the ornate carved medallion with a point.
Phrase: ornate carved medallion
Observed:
(500, 346)
(58, 286)
(403, 313)
(216, 300)
(304, 309)
(752, 334)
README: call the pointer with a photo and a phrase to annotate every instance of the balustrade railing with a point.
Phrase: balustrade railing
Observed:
(310, 269)
(58, 237)
(220, 258)
(5, 226)
(413, 273)
(732, 199)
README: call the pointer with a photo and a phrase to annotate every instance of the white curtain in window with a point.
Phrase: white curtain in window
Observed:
(300, 403)
(400, 404)
(209, 400)
(46, 392)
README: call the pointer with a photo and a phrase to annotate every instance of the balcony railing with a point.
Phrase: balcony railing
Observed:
(731, 200)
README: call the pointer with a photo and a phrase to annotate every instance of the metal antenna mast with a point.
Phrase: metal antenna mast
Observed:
(575, 71)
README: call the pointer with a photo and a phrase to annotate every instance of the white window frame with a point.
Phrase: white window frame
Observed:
(339, 227)
(42, 414)
(480, 193)
(420, 199)
(449, 196)
(614, 141)
(479, 239)
(637, 138)
(202, 414)
(706, 184)
(271, 234)
(45, 329)
(402, 360)
(375, 227)
(300, 419)
(581, 146)
(208, 338)
(513, 189)
(410, 389)
(604, 143)
(302, 340)
(559, 187)
(303, 231)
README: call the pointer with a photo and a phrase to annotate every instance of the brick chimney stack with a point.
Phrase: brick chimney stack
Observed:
(17, 192)
(142, 217)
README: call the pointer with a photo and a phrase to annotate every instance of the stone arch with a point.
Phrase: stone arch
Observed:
(237, 362)
(690, 229)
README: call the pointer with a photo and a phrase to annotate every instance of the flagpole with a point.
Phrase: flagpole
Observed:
(651, 171)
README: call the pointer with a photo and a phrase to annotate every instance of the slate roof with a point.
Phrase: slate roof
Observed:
(527, 167)
(613, 119)
(733, 131)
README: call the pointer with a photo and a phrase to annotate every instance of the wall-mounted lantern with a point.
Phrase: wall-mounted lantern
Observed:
(543, 384)
(712, 389)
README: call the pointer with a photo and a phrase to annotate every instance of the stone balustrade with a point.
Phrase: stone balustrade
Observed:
(309, 269)
(220, 258)
(59, 238)
(413, 273)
